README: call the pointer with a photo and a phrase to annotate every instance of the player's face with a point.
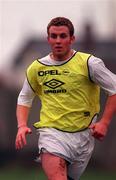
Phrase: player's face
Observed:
(60, 41)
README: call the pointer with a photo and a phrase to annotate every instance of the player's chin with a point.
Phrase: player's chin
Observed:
(58, 52)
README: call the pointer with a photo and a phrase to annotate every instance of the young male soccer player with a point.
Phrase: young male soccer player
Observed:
(68, 85)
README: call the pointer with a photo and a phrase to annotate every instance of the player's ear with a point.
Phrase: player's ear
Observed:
(72, 39)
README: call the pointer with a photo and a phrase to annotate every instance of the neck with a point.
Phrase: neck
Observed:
(62, 57)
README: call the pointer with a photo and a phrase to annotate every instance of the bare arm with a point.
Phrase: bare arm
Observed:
(22, 113)
(100, 128)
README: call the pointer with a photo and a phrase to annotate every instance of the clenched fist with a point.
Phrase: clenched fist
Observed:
(98, 130)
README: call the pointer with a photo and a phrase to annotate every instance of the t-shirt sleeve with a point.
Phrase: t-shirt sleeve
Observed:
(26, 95)
(102, 76)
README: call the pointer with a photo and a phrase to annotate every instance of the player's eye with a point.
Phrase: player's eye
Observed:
(54, 36)
(63, 35)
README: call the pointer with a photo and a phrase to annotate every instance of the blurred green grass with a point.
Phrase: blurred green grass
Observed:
(21, 173)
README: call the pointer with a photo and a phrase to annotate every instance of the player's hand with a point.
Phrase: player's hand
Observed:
(21, 137)
(98, 130)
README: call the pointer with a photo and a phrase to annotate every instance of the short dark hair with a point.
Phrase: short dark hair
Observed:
(61, 21)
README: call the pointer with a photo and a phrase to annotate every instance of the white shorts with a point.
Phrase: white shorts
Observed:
(76, 148)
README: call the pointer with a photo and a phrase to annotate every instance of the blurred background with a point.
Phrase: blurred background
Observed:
(22, 39)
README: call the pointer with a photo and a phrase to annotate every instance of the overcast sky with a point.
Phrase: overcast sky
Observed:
(20, 19)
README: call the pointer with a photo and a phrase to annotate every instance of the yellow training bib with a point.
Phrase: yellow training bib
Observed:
(69, 98)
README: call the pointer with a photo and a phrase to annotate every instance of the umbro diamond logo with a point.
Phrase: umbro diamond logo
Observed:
(54, 83)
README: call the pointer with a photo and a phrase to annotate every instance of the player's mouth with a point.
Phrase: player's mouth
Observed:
(58, 48)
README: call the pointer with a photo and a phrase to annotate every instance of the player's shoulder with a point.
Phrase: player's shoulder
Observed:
(33, 65)
(90, 57)
(38, 62)
(83, 55)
